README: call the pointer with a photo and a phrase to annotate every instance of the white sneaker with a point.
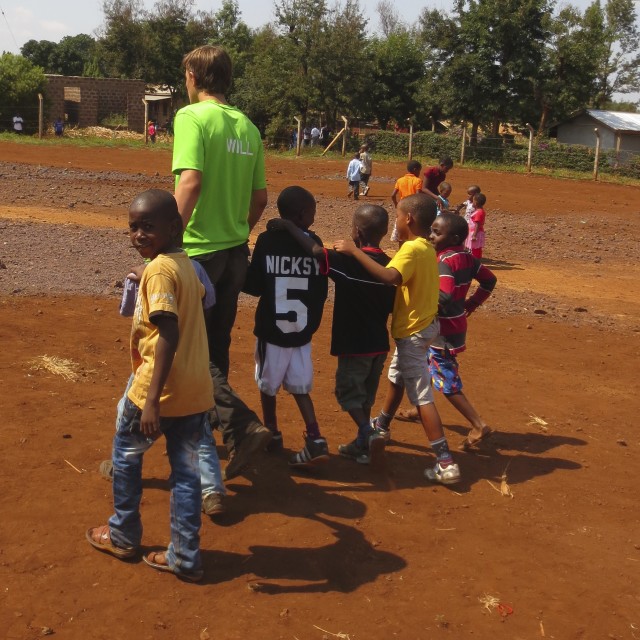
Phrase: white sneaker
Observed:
(444, 475)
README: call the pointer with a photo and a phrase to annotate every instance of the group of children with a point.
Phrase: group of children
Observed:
(424, 288)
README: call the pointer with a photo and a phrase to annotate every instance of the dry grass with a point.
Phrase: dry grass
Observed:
(68, 369)
(538, 422)
(489, 602)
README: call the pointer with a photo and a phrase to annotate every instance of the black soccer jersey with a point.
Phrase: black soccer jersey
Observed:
(362, 305)
(291, 287)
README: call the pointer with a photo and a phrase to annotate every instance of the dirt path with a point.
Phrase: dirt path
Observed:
(347, 551)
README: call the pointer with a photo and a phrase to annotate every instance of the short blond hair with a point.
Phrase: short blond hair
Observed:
(211, 67)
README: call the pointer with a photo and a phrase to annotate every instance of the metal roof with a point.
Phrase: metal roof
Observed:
(617, 120)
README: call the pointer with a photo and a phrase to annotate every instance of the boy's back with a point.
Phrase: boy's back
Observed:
(291, 287)
(408, 185)
(170, 284)
(362, 305)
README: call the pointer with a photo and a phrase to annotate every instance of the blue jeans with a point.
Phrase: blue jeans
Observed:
(183, 437)
(210, 472)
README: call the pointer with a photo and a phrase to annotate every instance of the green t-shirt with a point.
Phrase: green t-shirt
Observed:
(222, 143)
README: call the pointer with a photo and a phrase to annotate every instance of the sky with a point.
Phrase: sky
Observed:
(22, 20)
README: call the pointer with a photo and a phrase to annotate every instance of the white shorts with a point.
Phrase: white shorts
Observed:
(290, 367)
(409, 367)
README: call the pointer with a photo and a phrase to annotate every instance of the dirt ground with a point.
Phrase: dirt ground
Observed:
(347, 552)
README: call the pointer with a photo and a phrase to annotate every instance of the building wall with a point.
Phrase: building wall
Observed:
(580, 131)
(96, 98)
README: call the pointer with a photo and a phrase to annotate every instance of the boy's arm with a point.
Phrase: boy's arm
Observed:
(187, 193)
(253, 283)
(394, 198)
(309, 245)
(487, 281)
(386, 275)
(163, 359)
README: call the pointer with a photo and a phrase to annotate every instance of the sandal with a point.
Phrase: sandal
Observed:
(104, 543)
(468, 443)
(152, 558)
(407, 415)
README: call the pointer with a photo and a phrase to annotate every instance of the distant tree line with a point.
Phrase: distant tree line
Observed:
(486, 62)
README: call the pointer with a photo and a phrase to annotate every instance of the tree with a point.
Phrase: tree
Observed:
(39, 53)
(73, 54)
(615, 46)
(20, 83)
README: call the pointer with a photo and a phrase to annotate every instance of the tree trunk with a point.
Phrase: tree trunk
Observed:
(544, 118)
(473, 138)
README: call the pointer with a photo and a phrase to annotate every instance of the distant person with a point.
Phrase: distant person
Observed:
(169, 393)
(433, 176)
(18, 123)
(476, 221)
(315, 136)
(366, 167)
(407, 185)
(292, 291)
(58, 127)
(151, 129)
(353, 176)
(444, 193)
(306, 136)
(467, 205)
(218, 161)
(324, 134)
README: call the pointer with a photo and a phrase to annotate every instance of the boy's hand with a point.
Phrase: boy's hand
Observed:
(345, 246)
(150, 419)
(279, 224)
(136, 273)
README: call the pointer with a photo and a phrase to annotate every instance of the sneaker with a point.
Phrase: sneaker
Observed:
(352, 450)
(365, 191)
(256, 437)
(385, 433)
(213, 504)
(313, 453)
(275, 444)
(444, 475)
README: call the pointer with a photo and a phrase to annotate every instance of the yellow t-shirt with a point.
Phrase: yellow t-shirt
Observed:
(170, 284)
(416, 302)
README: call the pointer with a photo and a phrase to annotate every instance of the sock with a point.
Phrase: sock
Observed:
(364, 431)
(383, 421)
(441, 449)
(272, 426)
(313, 431)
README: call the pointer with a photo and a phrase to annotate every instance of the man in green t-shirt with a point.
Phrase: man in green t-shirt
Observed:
(221, 192)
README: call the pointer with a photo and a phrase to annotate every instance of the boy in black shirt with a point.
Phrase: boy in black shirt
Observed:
(292, 291)
(359, 334)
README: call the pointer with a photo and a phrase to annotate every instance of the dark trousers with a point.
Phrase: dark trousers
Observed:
(227, 270)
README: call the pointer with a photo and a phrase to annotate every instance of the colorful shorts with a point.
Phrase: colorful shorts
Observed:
(443, 367)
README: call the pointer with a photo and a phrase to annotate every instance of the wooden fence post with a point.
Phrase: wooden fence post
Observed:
(596, 160)
(146, 119)
(530, 152)
(410, 140)
(344, 137)
(40, 115)
(464, 135)
(298, 141)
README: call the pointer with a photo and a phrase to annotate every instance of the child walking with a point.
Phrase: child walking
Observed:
(476, 220)
(169, 392)
(366, 168)
(353, 176)
(414, 326)
(457, 269)
(359, 336)
(292, 291)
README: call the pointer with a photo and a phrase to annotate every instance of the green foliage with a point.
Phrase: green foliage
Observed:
(20, 83)
(115, 120)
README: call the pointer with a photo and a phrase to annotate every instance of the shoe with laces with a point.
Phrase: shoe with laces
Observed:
(275, 444)
(385, 433)
(353, 450)
(377, 444)
(256, 437)
(313, 453)
(444, 475)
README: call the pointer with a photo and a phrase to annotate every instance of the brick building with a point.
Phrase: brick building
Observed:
(87, 101)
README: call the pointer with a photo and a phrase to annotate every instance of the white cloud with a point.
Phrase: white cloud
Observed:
(53, 27)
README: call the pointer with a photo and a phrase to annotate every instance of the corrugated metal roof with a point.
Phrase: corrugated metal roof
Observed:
(617, 120)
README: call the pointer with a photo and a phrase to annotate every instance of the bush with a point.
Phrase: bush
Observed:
(115, 121)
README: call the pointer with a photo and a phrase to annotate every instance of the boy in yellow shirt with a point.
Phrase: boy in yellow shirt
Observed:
(169, 392)
(414, 325)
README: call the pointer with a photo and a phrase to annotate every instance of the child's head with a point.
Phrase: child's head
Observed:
(356, 155)
(479, 200)
(472, 190)
(416, 214)
(448, 230)
(155, 225)
(444, 189)
(364, 148)
(370, 225)
(210, 69)
(445, 163)
(298, 205)
(413, 166)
